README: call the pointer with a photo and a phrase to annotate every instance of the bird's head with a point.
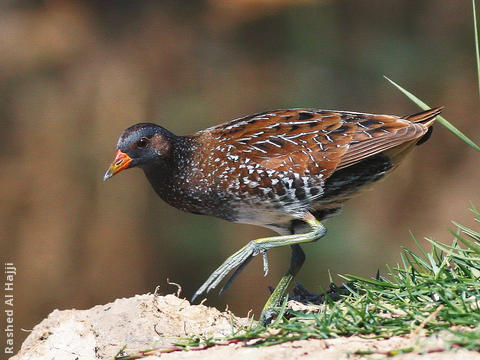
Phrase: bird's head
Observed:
(139, 145)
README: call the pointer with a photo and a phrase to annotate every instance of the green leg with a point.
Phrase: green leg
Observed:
(296, 262)
(261, 246)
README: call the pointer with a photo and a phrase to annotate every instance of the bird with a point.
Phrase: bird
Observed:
(287, 170)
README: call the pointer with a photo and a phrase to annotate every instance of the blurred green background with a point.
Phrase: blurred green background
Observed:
(74, 74)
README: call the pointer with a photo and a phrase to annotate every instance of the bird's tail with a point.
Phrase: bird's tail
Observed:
(426, 117)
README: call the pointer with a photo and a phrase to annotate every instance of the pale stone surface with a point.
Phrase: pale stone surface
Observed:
(148, 321)
(139, 323)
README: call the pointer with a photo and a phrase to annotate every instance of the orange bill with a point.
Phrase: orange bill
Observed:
(121, 162)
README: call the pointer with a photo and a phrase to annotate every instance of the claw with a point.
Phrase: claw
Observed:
(265, 263)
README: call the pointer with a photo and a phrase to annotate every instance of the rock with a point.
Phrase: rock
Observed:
(138, 323)
(156, 322)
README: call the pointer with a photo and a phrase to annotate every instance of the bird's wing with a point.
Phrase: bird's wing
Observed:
(393, 133)
(312, 141)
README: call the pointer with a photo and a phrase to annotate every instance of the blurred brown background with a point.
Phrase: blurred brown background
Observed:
(73, 75)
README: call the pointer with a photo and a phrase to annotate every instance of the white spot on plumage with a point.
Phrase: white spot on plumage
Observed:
(301, 134)
(287, 139)
(288, 181)
(273, 143)
(233, 157)
(258, 149)
(258, 134)
(368, 134)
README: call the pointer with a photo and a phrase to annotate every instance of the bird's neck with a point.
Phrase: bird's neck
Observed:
(164, 174)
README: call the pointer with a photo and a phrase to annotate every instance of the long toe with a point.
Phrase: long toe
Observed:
(240, 259)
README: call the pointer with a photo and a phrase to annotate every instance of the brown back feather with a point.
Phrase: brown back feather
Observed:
(312, 141)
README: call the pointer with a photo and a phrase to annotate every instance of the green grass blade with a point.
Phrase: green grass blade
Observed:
(370, 281)
(474, 210)
(414, 258)
(477, 52)
(440, 119)
(420, 247)
(474, 234)
(451, 253)
(467, 242)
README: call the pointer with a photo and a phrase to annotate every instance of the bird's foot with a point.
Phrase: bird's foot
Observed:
(271, 309)
(260, 246)
(241, 259)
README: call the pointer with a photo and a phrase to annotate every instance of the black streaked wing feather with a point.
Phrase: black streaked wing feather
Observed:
(361, 150)
(313, 141)
(418, 125)
(299, 140)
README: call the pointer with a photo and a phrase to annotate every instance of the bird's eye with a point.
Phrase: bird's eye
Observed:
(143, 142)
